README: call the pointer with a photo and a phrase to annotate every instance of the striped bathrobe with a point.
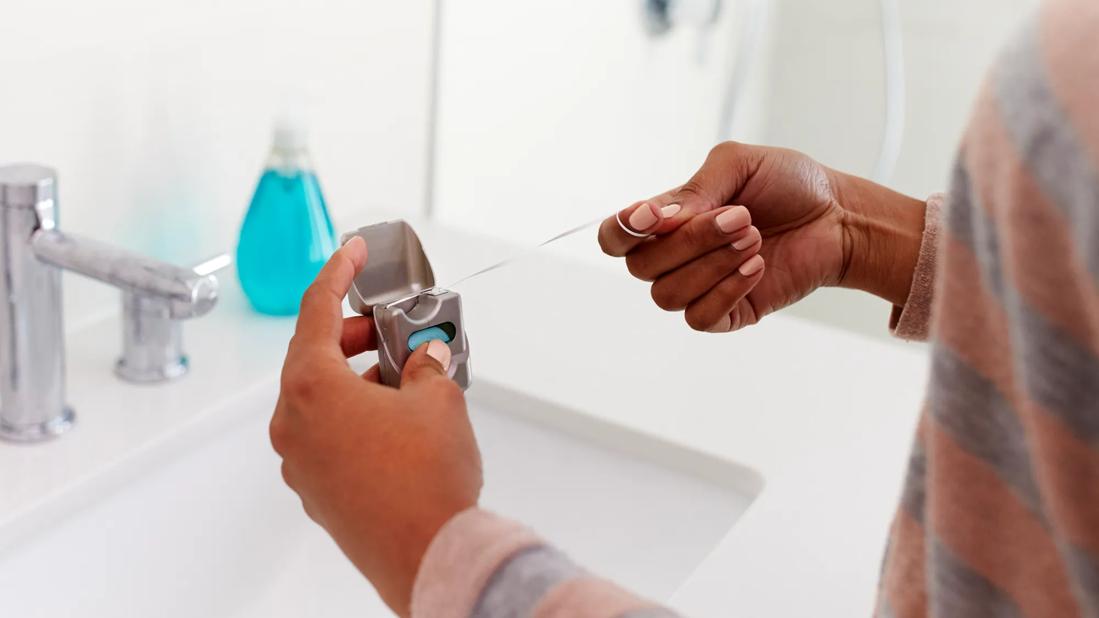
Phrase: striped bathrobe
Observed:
(1000, 510)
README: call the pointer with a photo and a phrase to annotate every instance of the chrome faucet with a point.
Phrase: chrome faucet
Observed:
(33, 251)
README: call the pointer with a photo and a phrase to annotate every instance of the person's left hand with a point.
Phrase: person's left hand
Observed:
(381, 469)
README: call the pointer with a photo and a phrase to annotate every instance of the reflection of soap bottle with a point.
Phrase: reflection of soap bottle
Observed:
(287, 235)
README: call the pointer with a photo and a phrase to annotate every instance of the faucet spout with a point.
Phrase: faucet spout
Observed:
(187, 294)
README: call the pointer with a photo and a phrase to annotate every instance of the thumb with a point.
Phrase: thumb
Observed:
(429, 360)
(721, 178)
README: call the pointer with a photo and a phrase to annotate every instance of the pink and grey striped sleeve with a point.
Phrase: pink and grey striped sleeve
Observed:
(481, 565)
(999, 514)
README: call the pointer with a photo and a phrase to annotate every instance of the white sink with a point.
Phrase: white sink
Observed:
(214, 532)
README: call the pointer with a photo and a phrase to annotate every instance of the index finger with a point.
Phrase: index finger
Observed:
(629, 227)
(320, 322)
(719, 180)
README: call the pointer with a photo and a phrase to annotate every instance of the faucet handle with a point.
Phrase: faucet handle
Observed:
(26, 185)
(152, 329)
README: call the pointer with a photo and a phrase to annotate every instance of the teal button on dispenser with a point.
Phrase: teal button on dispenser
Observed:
(443, 332)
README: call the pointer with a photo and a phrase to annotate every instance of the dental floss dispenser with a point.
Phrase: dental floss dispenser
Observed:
(397, 286)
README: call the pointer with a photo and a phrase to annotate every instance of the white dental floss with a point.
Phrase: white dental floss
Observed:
(527, 252)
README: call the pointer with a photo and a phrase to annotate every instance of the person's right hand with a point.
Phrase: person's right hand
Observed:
(381, 469)
(796, 226)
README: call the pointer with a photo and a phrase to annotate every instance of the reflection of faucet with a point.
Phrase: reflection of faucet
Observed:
(33, 251)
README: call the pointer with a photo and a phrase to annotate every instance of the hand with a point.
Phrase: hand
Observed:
(380, 469)
(800, 226)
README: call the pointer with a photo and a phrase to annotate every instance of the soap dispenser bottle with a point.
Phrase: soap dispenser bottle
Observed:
(287, 235)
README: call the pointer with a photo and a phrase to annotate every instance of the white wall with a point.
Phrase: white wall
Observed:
(157, 114)
(554, 112)
(824, 98)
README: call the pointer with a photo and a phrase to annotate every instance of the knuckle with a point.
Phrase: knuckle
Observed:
(725, 149)
(279, 434)
(290, 345)
(310, 512)
(736, 322)
(718, 150)
(746, 315)
(604, 246)
(729, 288)
(299, 385)
(444, 393)
(287, 476)
(665, 296)
(639, 267)
(606, 243)
(697, 320)
(691, 189)
(695, 233)
(695, 191)
(449, 392)
(308, 295)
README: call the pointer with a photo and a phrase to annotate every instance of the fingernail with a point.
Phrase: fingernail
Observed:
(733, 219)
(745, 241)
(352, 239)
(643, 218)
(670, 210)
(440, 351)
(752, 266)
(722, 326)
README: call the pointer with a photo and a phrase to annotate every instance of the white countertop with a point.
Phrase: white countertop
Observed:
(824, 417)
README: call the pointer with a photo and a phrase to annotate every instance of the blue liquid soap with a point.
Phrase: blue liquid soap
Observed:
(287, 235)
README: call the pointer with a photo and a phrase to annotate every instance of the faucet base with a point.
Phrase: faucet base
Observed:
(151, 374)
(41, 431)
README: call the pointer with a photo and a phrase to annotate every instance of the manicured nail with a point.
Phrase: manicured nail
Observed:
(745, 241)
(752, 266)
(733, 219)
(670, 210)
(440, 351)
(354, 247)
(721, 327)
(643, 218)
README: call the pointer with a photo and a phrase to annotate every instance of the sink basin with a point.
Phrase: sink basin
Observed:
(212, 531)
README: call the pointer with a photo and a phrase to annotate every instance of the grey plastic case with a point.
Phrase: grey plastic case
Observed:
(397, 287)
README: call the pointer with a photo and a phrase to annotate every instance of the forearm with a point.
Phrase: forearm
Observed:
(883, 232)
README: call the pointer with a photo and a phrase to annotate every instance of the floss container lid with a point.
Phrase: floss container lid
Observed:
(396, 268)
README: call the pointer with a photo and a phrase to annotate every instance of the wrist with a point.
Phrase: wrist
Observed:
(882, 234)
(413, 544)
